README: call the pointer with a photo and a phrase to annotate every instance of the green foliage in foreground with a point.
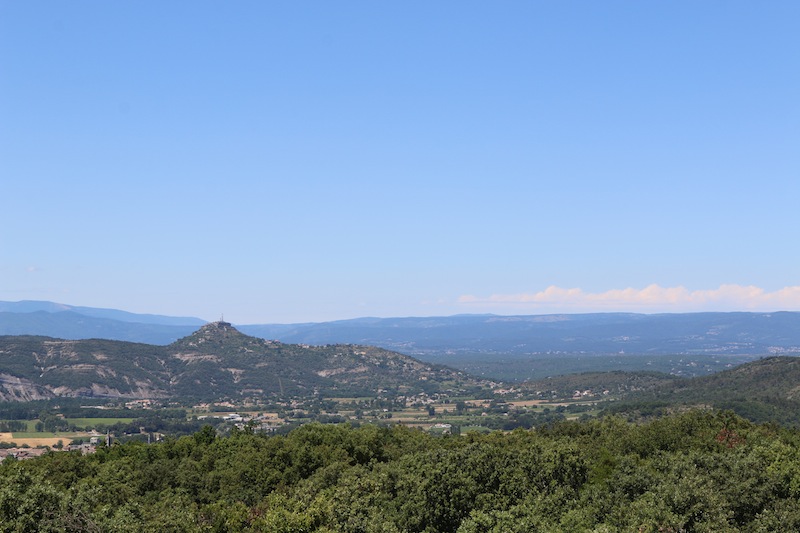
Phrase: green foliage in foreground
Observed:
(697, 471)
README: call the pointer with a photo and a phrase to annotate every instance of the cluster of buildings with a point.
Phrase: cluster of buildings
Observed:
(27, 452)
(261, 423)
(23, 453)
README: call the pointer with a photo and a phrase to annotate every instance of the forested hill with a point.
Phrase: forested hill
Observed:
(217, 361)
(771, 377)
(766, 390)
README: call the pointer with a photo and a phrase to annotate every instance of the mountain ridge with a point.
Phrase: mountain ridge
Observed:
(29, 306)
(597, 333)
(215, 362)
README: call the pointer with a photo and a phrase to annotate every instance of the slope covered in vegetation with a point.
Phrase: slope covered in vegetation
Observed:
(766, 390)
(215, 362)
(697, 471)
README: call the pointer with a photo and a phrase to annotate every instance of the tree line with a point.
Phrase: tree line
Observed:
(691, 471)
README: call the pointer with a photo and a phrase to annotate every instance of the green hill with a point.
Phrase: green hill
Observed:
(764, 390)
(217, 361)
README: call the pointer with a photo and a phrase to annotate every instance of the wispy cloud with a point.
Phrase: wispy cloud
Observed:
(652, 298)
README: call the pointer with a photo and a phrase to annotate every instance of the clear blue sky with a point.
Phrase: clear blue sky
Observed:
(307, 161)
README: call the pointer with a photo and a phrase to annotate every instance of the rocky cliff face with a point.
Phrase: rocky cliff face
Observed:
(16, 389)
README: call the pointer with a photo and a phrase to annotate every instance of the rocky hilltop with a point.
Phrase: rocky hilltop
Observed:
(217, 361)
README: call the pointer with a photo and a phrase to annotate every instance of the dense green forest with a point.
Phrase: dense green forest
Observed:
(692, 471)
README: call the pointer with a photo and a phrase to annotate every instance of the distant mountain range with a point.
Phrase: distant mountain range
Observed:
(431, 337)
(73, 322)
(31, 306)
(600, 333)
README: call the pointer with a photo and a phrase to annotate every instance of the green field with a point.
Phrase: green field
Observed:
(36, 435)
(89, 423)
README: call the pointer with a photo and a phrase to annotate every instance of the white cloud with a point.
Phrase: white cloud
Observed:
(652, 298)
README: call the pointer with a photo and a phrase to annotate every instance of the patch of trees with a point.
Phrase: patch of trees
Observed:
(76, 408)
(759, 409)
(156, 422)
(9, 426)
(695, 471)
(50, 422)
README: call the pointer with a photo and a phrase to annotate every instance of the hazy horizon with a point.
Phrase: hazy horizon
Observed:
(222, 317)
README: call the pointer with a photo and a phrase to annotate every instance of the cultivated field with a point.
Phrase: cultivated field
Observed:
(36, 441)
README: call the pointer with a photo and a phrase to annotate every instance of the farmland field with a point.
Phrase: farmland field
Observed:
(22, 439)
(89, 423)
(34, 438)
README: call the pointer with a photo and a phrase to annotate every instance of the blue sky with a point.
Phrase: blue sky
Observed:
(288, 161)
